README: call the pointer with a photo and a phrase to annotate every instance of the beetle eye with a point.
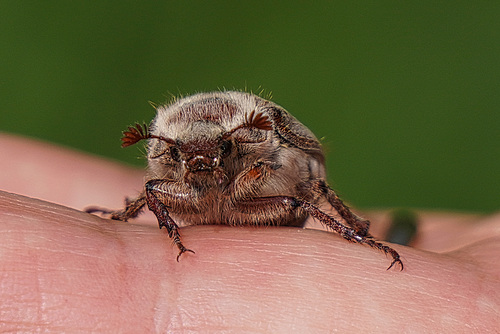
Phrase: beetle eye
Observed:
(226, 148)
(174, 153)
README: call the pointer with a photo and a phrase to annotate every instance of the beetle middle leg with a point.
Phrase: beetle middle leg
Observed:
(359, 224)
(287, 203)
(153, 191)
(131, 210)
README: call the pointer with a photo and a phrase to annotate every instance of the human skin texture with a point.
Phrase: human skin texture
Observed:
(63, 270)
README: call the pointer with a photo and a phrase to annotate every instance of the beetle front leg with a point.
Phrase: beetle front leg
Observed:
(153, 188)
(287, 203)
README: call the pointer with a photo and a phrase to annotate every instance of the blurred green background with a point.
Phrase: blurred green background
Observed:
(404, 95)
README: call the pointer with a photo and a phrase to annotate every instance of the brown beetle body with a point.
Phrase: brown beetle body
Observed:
(235, 158)
(260, 163)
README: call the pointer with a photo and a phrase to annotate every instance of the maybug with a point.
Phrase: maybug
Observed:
(235, 158)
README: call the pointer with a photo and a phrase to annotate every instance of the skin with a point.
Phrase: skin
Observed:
(63, 270)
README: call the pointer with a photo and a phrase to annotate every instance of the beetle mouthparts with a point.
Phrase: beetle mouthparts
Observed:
(200, 163)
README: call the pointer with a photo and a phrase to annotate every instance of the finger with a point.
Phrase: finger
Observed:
(443, 231)
(78, 271)
(446, 232)
(53, 173)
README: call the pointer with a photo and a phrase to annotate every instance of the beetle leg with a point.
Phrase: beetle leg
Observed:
(153, 188)
(131, 210)
(250, 180)
(287, 203)
(359, 224)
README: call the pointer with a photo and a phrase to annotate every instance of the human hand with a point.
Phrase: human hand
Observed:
(67, 271)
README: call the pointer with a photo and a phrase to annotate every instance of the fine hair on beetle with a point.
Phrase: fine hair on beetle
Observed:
(238, 159)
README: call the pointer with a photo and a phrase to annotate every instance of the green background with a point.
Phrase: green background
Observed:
(404, 95)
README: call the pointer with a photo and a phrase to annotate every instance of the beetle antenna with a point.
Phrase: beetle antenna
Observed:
(139, 132)
(253, 120)
(134, 134)
(258, 120)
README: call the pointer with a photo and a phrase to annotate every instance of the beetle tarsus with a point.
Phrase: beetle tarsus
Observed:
(183, 250)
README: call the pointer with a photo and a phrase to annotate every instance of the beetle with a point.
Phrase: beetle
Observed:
(236, 158)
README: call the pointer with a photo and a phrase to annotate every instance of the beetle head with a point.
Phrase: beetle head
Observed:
(201, 148)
